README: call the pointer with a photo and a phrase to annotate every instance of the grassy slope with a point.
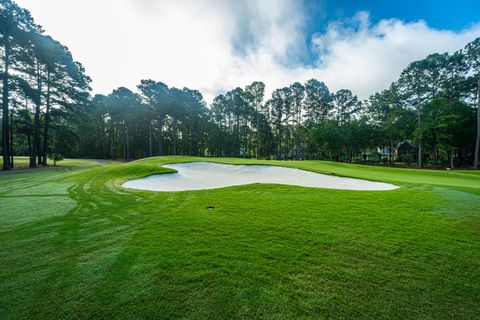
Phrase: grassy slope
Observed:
(77, 245)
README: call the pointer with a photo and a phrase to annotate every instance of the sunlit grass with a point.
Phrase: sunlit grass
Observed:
(75, 244)
(23, 162)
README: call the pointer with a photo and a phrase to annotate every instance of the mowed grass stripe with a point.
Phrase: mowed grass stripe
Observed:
(260, 251)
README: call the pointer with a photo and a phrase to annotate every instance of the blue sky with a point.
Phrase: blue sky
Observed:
(216, 45)
(440, 14)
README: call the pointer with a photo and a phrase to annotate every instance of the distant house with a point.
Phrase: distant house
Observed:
(404, 150)
(384, 152)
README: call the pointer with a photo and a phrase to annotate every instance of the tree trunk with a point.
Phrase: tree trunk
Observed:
(250, 145)
(150, 148)
(124, 147)
(174, 138)
(298, 153)
(420, 149)
(5, 116)
(390, 154)
(279, 143)
(239, 138)
(11, 133)
(477, 142)
(112, 143)
(245, 144)
(135, 142)
(29, 140)
(160, 140)
(102, 135)
(287, 134)
(126, 151)
(257, 142)
(128, 147)
(47, 122)
(36, 135)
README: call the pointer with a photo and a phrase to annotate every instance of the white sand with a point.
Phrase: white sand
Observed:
(207, 175)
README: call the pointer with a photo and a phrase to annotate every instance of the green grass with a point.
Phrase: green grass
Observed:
(75, 244)
(21, 162)
(18, 160)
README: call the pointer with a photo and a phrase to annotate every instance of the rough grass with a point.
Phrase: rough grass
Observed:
(75, 244)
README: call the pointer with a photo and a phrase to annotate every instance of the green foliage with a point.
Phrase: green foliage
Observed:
(39, 76)
(47, 106)
(55, 157)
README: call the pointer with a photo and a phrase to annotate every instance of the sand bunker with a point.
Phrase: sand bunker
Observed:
(208, 175)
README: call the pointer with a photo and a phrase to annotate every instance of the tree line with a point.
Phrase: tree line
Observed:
(40, 82)
(431, 112)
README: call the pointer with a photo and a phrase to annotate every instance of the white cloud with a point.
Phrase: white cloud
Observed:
(214, 45)
(367, 58)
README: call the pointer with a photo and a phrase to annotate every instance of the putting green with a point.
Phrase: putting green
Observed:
(76, 244)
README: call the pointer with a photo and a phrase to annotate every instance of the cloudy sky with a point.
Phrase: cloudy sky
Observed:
(216, 45)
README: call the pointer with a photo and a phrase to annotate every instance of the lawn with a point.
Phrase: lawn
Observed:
(22, 162)
(75, 244)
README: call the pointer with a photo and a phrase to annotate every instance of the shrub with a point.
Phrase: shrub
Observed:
(55, 157)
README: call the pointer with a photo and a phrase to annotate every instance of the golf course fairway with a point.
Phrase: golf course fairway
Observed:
(75, 244)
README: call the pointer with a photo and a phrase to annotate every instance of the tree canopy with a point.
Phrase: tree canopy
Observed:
(47, 108)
